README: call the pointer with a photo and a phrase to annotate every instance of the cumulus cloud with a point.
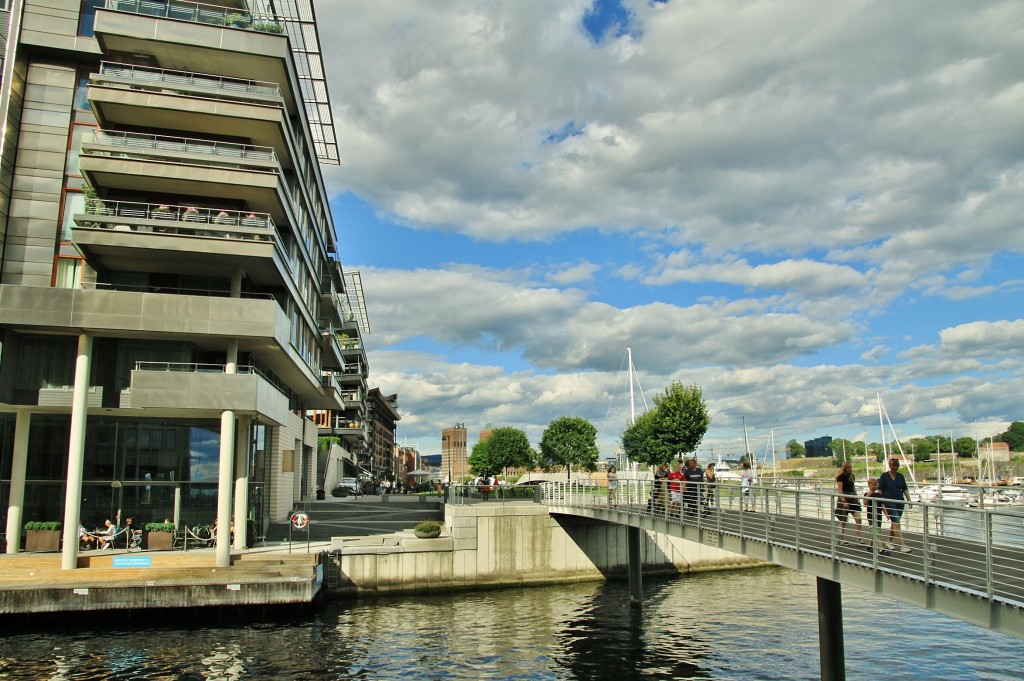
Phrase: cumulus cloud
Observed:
(780, 182)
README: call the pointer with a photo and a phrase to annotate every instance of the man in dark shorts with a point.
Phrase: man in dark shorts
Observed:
(893, 487)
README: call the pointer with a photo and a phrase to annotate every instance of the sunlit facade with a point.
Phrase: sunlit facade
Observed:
(172, 303)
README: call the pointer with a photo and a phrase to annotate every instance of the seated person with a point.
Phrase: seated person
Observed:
(107, 535)
(133, 533)
(86, 540)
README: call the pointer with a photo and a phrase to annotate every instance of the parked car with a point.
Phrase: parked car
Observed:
(345, 487)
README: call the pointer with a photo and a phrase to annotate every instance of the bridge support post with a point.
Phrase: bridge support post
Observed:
(830, 630)
(636, 585)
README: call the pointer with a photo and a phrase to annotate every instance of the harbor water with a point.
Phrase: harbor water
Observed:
(750, 624)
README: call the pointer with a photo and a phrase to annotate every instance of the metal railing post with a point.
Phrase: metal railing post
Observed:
(987, 528)
(925, 546)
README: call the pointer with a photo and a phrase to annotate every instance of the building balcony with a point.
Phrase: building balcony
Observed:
(231, 41)
(210, 319)
(148, 237)
(332, 357)
(189, 388)
(177, 166)
(203, 104)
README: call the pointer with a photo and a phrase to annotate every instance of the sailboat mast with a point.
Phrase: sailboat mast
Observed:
(629, 377)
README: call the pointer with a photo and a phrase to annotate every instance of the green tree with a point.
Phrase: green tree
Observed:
(638, 440)
(569, 441)
(965, 447)
(672, 429)
(846, 449)
(1014, 436)
(876, 450)
(796, 450)
(505, 448)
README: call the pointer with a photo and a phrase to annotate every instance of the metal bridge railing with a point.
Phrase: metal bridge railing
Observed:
(979, 550)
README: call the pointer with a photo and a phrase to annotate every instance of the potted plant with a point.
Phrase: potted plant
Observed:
(239, 20)
(191, 214)
(162, 212)
(222, 218)
(159, 536)
(269, 27)
(42, 535)
(428, 529)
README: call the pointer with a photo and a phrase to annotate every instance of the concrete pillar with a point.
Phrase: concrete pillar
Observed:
(224, 487)
(76, 454)
(830, 630)
(241, 482)
(636, 584)
(16, 502)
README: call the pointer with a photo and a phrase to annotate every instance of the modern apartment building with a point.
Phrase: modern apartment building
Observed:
(173, 308)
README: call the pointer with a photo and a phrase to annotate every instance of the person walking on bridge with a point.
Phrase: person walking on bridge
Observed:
(847, 503)
(894, 490)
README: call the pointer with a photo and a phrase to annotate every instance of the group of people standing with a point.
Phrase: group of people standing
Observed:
(689, 489)
(888, 494)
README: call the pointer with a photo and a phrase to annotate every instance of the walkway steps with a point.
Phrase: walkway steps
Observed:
(364, 516)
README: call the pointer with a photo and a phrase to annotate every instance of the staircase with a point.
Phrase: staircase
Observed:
(360, 517)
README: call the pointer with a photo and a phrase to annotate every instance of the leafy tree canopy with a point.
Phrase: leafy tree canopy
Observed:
(569, 441)
(1014, 436)
(965, 447)
(796, 450)
(672, 429)
(505, 448)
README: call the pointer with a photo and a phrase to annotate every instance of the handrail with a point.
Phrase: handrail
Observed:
(172, 78)
(973, 550)
(210, 293)
(201, 13)
(183, 145)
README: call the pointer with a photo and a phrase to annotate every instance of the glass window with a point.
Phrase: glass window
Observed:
(87, 20)
(68, 273)
(74, 202)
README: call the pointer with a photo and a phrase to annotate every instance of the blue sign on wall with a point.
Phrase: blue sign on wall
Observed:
(133, 561)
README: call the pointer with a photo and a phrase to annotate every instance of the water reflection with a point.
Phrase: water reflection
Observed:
(759, 624)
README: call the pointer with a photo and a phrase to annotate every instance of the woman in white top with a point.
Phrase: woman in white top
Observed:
(613, 486)
(747, 487)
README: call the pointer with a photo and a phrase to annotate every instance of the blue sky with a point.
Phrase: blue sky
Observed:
(795, 206)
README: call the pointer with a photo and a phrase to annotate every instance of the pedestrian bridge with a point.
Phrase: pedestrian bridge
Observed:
(965, 562)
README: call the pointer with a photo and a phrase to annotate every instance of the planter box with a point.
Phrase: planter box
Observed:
(42, 540)
(159, 541)
(427, 535)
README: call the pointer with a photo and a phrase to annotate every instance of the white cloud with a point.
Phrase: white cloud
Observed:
(784, 174)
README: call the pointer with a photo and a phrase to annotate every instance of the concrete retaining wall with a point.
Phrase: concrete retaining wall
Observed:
(490, 545)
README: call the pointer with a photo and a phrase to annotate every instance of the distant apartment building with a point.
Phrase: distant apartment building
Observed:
(818, 447)
(172, 302)
(454, 454)
(383, 422)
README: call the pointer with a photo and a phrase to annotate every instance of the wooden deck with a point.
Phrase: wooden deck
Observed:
(35, 582)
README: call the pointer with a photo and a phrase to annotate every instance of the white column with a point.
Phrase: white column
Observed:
(227, 453)
(16, 503)
(76, 454)
(242, 482)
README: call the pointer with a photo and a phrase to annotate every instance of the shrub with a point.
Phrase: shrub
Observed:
(44, 525)
(429, 526)
(269, 27)
(158, 527)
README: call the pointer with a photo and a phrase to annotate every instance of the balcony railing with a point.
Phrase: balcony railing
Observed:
(164, 79)
(200, 13)
(177, 290)
(181, 220)
(128, 142)
(200, 368)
